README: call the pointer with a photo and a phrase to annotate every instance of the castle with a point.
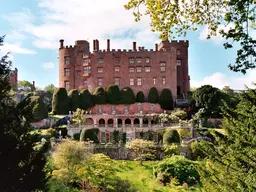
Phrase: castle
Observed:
(137, 68)
(13, 79)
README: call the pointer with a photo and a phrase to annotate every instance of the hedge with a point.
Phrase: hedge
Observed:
(40, 111)
(86, 99)
(113, 94)
(153, 95)
(89, 134)
(127, 96)
(60, 102)
(99, 96)
(74, 99)
(171, 136)
(166, 100)
(140, 97)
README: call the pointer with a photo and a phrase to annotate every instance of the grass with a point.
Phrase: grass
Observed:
(142, 178)
(51, 116)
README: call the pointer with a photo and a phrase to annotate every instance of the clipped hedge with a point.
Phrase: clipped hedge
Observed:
(127, 96)
(40, 111)
(60, 102)
(113, 94)
(89, 134)
(166, 100)
(171, 136)
(99, 96)
(86, 99)
(74, 99)
(153, 95)
(140, 97)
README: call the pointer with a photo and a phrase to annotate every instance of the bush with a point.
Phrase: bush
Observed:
(153, 95)
(86, 99)
(196, 150)
(184, 133)
(60, 102)
(74, 99)
(180, 114)
(115, 136)
(113, 94)
(124, 137)
(140, 97)
(99, 96)
(170, 150)
(127, 96)
(184, 170)
(165, 100)
(171, 136)
(76, 136)
(40, 111)
(89, 134)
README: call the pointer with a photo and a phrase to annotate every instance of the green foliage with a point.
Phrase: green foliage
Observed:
(40, 111)
(140, 97)
(25, 85)
(113, 94)
(184, 133)
(115, 136)
(184, 170)
(99, 96)
(196, 150)
(74, 99)
(127, 96)
(76, 136)
(179, 113)
(79, 116)
(60, 102)
(153, 95)
(89, 134)
(171, 136)
(124, 137)
(165, 99)
(170, 150)
(50, 89)
(86, 99)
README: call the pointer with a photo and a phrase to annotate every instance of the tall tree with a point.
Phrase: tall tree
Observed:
(25, 85)
(50, 89)
(21, 162)
(175, 18)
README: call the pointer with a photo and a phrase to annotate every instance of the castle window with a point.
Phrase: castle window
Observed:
(87, 69)
(164, 80)
(117, 81)
(139, 60)
(131, 82)
(178, 51)
(154, 80)
(139, 69)
(67, 85)
(100, 81)
(131, 60)
(67, 60)
(86, 61)
(85, 83)
(139, 81)
(131, 69)
(100, 70)
(67, 72)
(147, 69)
(117, 69)
(162, 67)
(147, 60)
(178, 62)
(100, 61)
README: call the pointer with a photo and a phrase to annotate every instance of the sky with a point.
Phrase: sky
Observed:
(33, 29)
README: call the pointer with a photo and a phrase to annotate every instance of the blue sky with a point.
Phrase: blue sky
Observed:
(33, 29)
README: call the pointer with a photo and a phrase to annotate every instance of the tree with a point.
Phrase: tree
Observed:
(99, 96)
(175, 18)
(171, 136)
(142, 149)
(140, 97)
(153, 95)
(86, 99)
(25, 85)
(74, 99)
(50, 89)
(127, 96)
(166, 100)
(60, 102)
(113, 94)
(230, 158)
(40, 111)
(22, 155)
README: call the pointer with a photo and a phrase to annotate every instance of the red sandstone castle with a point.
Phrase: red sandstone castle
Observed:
(13, 78)
(139, 68)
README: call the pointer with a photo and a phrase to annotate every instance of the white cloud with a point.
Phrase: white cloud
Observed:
(48, 65)
(220, 80)
(16, 48)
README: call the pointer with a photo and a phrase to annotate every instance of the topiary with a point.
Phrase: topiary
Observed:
(140, 97)
(99, 96)
(40, 111)
(60, 102)
(89, 134)
(112, 94)
(115, 136)
(74, 99)
(171, 136)
(76, 136)
(153, 95)
(86, 99)
(124, 137)
(166, 100)
(127, 96)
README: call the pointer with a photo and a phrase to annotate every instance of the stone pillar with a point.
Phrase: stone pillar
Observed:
(115, 123)
(149, 123)
(141, 122)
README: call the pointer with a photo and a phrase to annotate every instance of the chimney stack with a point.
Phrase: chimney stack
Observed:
(134, 46)
(108, 45)
(61, 44)
(156, 47)
(97, 45)
(94, 45)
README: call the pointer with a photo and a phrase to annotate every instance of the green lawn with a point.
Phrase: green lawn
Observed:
(142, 178)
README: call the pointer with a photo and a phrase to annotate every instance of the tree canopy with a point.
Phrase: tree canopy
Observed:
(25, 85)
(50, 89)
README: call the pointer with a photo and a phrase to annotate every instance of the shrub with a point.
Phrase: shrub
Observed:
(86, 99)
(171, 136)
(196, 150)
(39, 109)
(184, 170)
(60, 102)
(140, 97)
(170, 150)
(153, 95)
(127, 96)
(99, 96)
(89, 134)
(74, 99)
(124, 137)
(115, 136)
(113, 94)
(179, 113)
(184, 133)
(165, 100)
(76, 136)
